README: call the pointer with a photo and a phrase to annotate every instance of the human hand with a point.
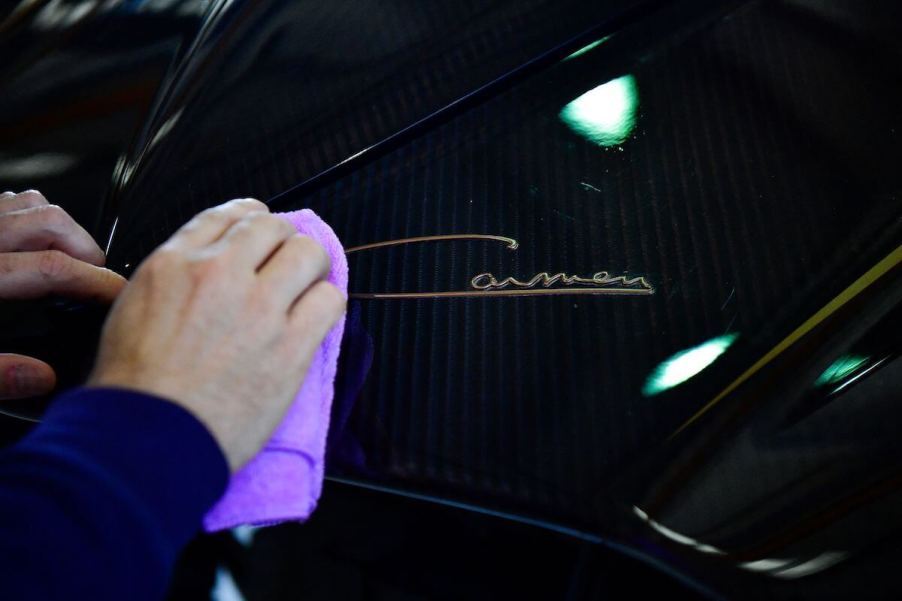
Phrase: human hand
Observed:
(44, 251)
(223, 319)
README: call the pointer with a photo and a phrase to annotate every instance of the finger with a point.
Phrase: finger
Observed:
(35, 274)
(10, 201)
(252, 240)
(312, 316)
(293, 268)
(208, 226)
(22, 377)
(46, 227)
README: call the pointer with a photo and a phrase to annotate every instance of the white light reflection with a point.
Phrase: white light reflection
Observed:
(676, 536)
(605, 115)
(46, 164)
(57, 14)
(587, 48)
(164, 129)
(765, 565)
(820, 563)
(773, 567)
(224, 587)
(839, 369)
(61, 14)
(685, 364)
(245, 534)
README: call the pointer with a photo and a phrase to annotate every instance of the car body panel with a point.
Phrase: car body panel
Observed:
(721, 401)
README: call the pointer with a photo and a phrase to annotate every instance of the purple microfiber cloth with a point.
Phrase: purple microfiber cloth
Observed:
(283, 482)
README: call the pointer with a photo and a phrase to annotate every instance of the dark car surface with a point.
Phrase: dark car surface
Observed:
(626, 306)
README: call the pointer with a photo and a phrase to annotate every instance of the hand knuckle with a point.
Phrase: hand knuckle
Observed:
(202, 263)
(286, 228)
(9, 263)
(162, 259)
(322, 258)
(253, 202)
(189, 228)
(246, 203)
(33, 195)
(325, 260)
(258, 219)
(341, 300)
(214, 265)
(210, 216)
(52, 215)
(54, 264)
(313, 251)
(297, 245)
(277, 222)
(218, 264)
(224, 212)
(243, 221)
(329, 299)
(268, 224)
(263, 303)
(166, 253)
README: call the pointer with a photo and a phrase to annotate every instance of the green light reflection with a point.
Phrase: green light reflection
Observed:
(605, 115)
(587, 48)
(839, 369)
(685, 364)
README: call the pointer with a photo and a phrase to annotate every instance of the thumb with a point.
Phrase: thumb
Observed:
(22, 377)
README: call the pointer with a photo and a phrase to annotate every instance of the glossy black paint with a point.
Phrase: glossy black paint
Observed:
(760, 182)
(534, 406)
(271, 94)
(79, 79)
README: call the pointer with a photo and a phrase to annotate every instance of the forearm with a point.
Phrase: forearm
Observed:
(99, 499)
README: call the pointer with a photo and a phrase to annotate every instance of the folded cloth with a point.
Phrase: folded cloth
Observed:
(283, 482)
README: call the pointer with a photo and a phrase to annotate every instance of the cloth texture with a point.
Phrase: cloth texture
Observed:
(284, 481)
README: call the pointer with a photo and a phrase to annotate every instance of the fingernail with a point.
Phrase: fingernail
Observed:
(24, 380)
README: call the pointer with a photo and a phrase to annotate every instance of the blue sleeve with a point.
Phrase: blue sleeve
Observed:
(97, 501)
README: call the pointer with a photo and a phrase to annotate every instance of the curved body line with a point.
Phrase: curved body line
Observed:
(511, 243)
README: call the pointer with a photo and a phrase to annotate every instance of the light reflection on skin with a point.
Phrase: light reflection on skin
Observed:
(685, 364)
(605, 115)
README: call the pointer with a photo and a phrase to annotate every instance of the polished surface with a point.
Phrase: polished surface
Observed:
(272, 94)
(736, 427)
(78, 81)
(752, 198)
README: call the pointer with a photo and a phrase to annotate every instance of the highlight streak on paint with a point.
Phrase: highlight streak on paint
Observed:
(839, 369)
(605, 115)
(886, 265)
(825, 560)
(587, 48)
(685, 364)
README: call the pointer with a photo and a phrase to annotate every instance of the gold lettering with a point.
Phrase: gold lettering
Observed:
(486, 284)
(487, 281)
(490, 284)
